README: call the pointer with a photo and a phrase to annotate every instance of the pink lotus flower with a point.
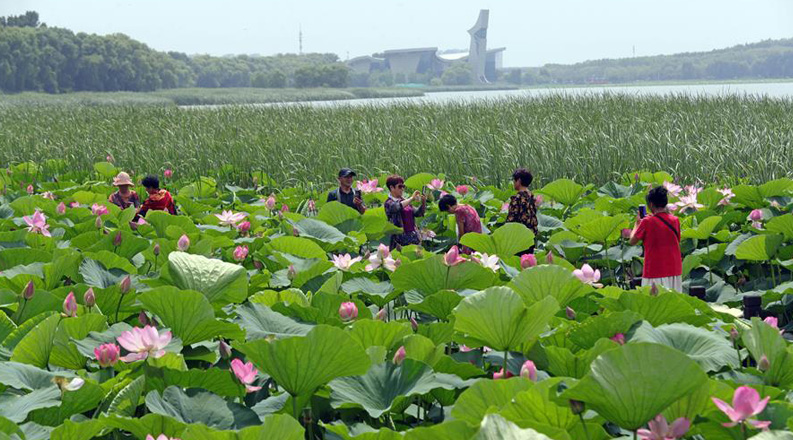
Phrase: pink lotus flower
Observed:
(672, 189)
(270, 202)
(399, 356)
(240, 253)
(745, 404)
(619, 338)
(348, 311)
(89, 298)
(30, 189)
(73, 385)
(183, 243)
(381, 258)
(160, 437)
(98, 209)
(61, 209)
(538, 200)
(626, 234)
(70, 305)
(587, 275)
(505, 207)
(74, 205)
(756, 215)
(529, 371)
(728, 195)
(453, 258)
(37, 224)
(168, 173)
(501, 375)
(462, 189)
(426, 234)
(48, 195)
(757, 225)
(229, 218)
(527, 261)
(772, 321)
(244, 227)
(689, 201)
(660, 429)
(368, 186)
(435, 184)
(311, 206)
(381, 315)
(107, 354)
(344, 262)
(246, 373)
(488, 261)
(143, 342)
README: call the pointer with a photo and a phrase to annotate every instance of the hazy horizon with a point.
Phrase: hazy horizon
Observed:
(565, 32)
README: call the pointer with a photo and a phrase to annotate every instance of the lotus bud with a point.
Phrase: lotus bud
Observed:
(225, 349)
(527, 261)
(284, 209)
(183, 244)
(636, 177)
(399, 356)
(69, 384)
(240, 253)
(654, 290)
(168, 173)
(577, 407)
(772, 321)
(270, 203)
(381, 315)
(626, 233)
(756, 215)
(258, 264)
(30, 289)
(462, 189)
(763, 364)
(291, 273)
(619, 338)
(107, 355)
(538, 200)
(70, 305)
(570, 313)
(348, 311)
(414, 324)
(117, 239)
(143, 319)
(98, 223)
(89, 298)
(549, 258)
(500, 374)
(109, 158)
(30, 189)
(295, 232)
(156, 249)
(61, 208)
(529, 371)
(125, 284)
(311, 206)
(244, 227)
(734, 336)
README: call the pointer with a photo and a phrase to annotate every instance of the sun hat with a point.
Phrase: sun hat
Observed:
(122, 179)
(346, 172)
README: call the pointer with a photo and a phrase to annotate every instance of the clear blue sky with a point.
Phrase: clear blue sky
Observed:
(535, 33)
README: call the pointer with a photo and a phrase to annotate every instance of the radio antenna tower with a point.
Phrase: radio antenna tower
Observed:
(300, 39)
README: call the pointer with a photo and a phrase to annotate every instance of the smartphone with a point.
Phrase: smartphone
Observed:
(642, 211)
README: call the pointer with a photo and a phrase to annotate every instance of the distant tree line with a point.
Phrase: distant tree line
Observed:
(764, 60)
(34, 57)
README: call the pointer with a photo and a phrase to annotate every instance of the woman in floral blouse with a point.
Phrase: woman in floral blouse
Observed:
(401, 214)
(522, 206)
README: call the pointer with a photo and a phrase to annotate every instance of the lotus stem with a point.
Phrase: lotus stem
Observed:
(294, 408)
(118, 307)
(586, 431)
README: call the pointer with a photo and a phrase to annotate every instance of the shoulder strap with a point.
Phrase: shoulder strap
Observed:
(676, 232)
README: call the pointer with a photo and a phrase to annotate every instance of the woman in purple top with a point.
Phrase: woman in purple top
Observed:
(400, 212)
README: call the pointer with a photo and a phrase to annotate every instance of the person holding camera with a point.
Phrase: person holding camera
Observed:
(344, 194)
(659, 232)
(400, 212)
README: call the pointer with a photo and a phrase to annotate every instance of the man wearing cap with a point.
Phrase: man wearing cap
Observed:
(345, 194)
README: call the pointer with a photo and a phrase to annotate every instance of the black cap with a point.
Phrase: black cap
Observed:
(346, 172)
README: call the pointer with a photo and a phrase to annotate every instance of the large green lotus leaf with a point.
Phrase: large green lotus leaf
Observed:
(22, 256)
(219, 381)
(196, 406)
(95, 339)
(431, 275)
(759, 247)
(486, 396)
(602, 229)
(498, 318)
(16, 407)
(665, 308)
(696, 402)
(41, 302)
(35, 347)
(96, 275)
(65, 264)
(782, 224)
(70, 430)
(72, 402)
(160, 220)
(536, 406)
(588, 332)
(703, 230)
(219, 281)
(140, 427)
(335, 213)
(776, 188)
(439, 305)
(13, 338)
(298, 246)
(538, 282)
(505, 241)
(319, 231)
(64, 353)
(419, 181)
(564, 363)
(105, 169)
(634, 383)
(495, 427)
(260, 321)
(27, 377)
(376, 390)
(271, 297)
(449, 430)
(188, 314)
(380, 293)
(203, 187)
(711, 351)
(564, 191)
(763, 340)
(274, 426)
(127, 400)
(361, 431)
(748, 195)
(773, 435)
(95, 241)
(6, 326)
(302, 364)
(372, 332)
(112, 261)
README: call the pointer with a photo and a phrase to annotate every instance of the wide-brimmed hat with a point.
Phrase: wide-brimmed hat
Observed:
(122, 179)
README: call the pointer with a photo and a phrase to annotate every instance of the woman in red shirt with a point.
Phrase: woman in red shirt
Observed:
(159, 199)
(660, 234)
(466, 216)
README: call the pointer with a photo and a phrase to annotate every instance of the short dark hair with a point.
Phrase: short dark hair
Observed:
(393, 180)
(523, 175)
(658, 197)
(447, 202)
(151, 182)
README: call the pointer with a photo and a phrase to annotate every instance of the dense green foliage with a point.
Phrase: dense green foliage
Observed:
(409, 343)
(591, 138)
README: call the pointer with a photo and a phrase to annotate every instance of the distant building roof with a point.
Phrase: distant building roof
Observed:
(418, 49)
(453, 56)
